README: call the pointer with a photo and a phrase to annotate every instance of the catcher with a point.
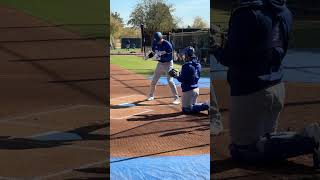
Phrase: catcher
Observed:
(189, 77)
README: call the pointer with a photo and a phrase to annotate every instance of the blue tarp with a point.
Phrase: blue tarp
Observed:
(204, 82)
(161, 168)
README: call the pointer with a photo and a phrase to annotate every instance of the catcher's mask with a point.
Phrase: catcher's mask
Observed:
(157, 36)
(189, 52)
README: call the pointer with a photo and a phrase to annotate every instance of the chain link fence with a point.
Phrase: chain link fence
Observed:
(198, 39)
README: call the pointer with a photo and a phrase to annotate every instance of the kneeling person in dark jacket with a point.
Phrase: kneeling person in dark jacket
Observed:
(189, 77)
(258, 39)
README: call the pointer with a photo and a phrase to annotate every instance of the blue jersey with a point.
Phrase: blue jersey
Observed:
(190, 75)
(164, 46)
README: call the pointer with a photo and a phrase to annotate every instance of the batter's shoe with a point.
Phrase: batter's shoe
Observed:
(216, 127)
(150, 98)
(176, 101)
(313, 131)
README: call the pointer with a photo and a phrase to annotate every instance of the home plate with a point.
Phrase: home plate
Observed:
(126, 105)
(56, 136)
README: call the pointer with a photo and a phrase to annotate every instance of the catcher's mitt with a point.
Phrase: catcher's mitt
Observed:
(173, 73)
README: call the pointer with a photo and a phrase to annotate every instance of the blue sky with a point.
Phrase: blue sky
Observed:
(185, 9)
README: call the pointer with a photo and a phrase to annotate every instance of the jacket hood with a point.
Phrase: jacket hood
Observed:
(277, 5)
(250, 2)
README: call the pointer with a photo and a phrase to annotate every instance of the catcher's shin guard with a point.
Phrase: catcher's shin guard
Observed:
(200, 107)
(187, 110)
(195, 108)
(274, 147)
(285, 145)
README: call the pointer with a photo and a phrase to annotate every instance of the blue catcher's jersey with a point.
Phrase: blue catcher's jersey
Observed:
(164, 46)
(190, 75)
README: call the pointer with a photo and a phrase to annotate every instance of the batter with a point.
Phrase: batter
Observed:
(164, 52)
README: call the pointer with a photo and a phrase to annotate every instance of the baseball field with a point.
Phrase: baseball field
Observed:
(53, 90)
(146, 135)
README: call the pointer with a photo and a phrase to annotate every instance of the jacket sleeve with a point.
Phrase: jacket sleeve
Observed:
(185, 74)
(240, 35)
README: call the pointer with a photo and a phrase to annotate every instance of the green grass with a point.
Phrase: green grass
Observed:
(137, 50)
(85, 12)
(137, 64)
(143, 67)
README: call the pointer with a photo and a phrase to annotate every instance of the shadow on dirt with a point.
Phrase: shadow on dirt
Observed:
(205, 128)
(85, 132)
(94, 173)
(45, 69)
(202, 124)
(160, 153)
(137, 103)
(79, 80)
(153, 117)
(282, 168)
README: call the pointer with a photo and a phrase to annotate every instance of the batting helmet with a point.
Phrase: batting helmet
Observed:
(189, 51)
(157, 36)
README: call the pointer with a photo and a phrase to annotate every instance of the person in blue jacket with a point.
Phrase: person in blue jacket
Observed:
(189, 78)
(257, 42)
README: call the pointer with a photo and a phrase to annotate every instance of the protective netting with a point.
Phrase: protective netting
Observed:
(198, 39)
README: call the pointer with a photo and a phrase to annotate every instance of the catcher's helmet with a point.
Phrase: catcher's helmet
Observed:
(189, 51)
(157, 36)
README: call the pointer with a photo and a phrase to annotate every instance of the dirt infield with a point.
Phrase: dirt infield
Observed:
(302, 107)
(141, 128)
(52, 112)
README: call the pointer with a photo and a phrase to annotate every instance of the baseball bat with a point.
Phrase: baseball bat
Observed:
(143, 40)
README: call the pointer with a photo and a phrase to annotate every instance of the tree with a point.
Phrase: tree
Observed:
(156, 15)
(198, 22)
(116, 25)
(116, 16)
(130, 32)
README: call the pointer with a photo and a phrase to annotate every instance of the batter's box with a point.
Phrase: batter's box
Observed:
(136, 100)
(114, 83)
(127, 112)
(132, 99)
